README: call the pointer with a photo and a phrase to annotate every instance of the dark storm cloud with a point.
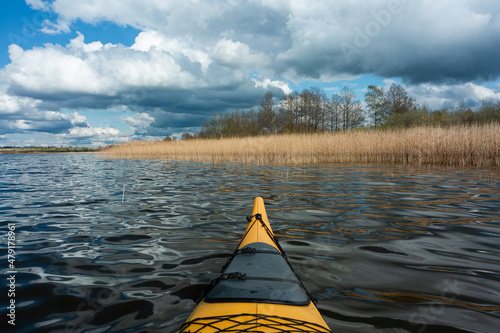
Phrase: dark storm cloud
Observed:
(186, 109)
(42, 121)
(419, 42)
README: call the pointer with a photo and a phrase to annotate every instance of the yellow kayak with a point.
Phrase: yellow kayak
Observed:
(258, 290)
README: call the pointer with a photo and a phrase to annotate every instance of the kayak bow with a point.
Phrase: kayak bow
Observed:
(258, 291)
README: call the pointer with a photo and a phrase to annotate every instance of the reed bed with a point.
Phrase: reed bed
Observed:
(453, 146)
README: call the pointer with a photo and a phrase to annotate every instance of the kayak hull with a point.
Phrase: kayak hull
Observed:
(258, 290)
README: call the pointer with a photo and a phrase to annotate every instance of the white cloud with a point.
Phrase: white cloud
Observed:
(55, 29)
(237, 55)
(25, 115)
(38, 4)
(154, 69)
(93, 132)
(79, 44)
(267, 83)
(139, 122)
(177, 15)
(154, 40)
(92, 69)
(46, 121)
(15, 52)
(50, 70)
(78, 120)
(91, 136)
(9, 104)
(449, 96)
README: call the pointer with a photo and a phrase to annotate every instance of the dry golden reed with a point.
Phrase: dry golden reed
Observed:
(454, 146)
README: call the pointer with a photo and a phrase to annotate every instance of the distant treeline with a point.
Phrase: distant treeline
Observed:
(311, 111)
(50, 149)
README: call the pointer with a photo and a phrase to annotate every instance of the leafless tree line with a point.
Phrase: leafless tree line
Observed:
(309, 111)
(312, 111)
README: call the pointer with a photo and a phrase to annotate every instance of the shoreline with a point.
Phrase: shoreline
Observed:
(476, 146)
(20, 151)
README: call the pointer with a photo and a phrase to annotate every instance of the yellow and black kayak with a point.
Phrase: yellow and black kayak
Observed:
(258, 291)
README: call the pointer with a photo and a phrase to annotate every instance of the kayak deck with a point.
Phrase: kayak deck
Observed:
(258, 291)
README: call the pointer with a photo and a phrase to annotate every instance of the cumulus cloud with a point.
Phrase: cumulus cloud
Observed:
(269, 84)
(9, 104)
(449, 96)
(93, 69)
(153, 40)
(49, 70)
(91, 132)
(24, 115)
(155, 73)
(140, 122)
(104, 71)
(38, 4)
(92, 136)
(49, 122)
(237, 55)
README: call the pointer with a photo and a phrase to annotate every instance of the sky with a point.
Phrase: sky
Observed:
(93, 73)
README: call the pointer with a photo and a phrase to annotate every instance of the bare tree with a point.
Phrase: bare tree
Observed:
(398, 101)
(376, 104)
(305, 111)
(288, 112)
(267, 113)
(333, 112)
(317, 108)
(351, 110)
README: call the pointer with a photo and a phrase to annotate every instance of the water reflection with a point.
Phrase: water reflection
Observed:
(380, 247)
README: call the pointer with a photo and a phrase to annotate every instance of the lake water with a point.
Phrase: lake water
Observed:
(127, 246)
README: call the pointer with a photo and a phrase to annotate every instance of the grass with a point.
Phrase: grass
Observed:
(453, 146)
